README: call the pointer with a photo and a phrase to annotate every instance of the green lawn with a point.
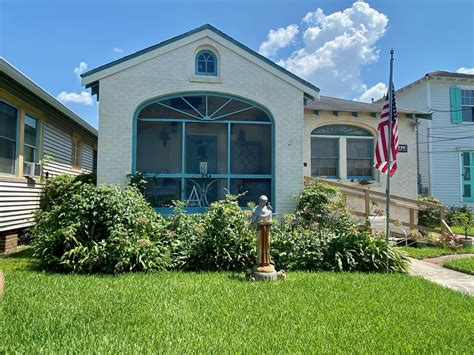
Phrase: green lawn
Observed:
(464, 265)
(214, 312)
(459, 230)
(433, 252)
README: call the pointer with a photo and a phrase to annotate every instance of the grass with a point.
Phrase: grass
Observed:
(434, 252)
(460, 231)
(214, 312)
(464, 265)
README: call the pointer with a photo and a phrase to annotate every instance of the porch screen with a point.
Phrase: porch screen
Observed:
(196, 147)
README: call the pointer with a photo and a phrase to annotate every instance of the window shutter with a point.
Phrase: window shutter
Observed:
(456, 109)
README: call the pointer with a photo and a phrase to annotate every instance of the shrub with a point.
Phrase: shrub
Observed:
(294, 247)
(100, 230)
(225, 240)
(180, 234)
(322, 205)
(363, 252)
(429, 216)
(463, 219)
(62, 187)
(297, 248)
(453, 211)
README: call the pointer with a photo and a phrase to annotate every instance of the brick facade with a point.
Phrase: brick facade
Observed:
(8, 241)
(173, 72)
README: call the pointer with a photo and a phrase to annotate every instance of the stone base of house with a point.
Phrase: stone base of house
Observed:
(8, 241)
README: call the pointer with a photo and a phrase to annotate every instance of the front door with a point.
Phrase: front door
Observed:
(467, 163)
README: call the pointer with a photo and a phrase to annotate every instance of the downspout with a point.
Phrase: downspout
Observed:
(418, 176)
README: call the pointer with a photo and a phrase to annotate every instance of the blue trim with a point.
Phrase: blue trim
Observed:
(205, 73)
(189, 33)
(156, 119)
(228, 176)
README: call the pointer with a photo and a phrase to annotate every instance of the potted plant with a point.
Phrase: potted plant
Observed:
(464, 220)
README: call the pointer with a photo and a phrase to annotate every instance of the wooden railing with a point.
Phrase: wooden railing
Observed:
(411, 205)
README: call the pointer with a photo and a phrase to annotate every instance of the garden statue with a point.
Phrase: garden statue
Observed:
(262, 220)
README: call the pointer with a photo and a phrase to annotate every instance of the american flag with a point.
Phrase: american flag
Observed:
(381, 154)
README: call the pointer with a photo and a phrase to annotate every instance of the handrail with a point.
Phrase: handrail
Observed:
(370, 195)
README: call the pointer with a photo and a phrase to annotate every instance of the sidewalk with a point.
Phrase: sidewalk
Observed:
(445, 277)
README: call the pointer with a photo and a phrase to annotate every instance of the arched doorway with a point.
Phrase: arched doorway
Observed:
(196, 146)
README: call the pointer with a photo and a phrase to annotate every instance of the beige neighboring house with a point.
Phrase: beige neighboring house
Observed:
(33, 124)
(201, 113)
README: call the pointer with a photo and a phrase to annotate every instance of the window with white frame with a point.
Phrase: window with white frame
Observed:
(30, 147)
(342, 151)
(467, 104)
(8, 138)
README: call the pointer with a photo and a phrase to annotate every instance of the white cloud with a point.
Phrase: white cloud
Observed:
(375, 92)
(277, 39)
(335, 47)
(83, 97)
(80, 69)
(463, 70)
(117, 50)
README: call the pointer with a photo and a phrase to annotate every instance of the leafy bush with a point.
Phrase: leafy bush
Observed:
(297, 248)
(454, 211)
(181, 231)
(463, 219)
(100, 230)
(224, 241)
(429, 216)
(322, 205)
(294, 247)
(62, 187)
(363, 252)
(138, 181)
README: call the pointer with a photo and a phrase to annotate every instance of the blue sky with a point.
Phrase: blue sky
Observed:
(343, 48)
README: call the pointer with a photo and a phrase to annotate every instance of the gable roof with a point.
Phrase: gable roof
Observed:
(328, 103)
(447, 74)
(311, 88)
(14, 74)
(440, 75)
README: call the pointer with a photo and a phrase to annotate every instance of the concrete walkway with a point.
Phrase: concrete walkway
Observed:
(445, 277)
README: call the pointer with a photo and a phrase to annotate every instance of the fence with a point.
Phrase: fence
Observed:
(411, 205)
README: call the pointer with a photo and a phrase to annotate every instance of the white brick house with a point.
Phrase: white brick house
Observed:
(201, 113)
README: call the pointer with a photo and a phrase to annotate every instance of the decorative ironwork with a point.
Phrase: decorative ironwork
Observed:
(209, 108)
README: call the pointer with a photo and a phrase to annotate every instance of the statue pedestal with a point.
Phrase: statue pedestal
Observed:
(265, 276)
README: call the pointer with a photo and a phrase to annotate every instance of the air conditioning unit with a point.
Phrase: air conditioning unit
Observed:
(31, 169)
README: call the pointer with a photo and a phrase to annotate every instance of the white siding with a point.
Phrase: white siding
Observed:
(440, 141)
(446, 172)
(20, 198)
(18, 201)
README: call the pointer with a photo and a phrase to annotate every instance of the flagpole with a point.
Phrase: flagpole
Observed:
(389, 149)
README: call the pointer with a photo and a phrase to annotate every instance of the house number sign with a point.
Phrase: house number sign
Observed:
(403, 148)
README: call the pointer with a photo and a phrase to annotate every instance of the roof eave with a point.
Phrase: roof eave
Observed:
(90, 77)
(29, 84)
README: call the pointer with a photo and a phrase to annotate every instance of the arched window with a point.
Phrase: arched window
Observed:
(342, 151)
(195, 147)
(206, 63)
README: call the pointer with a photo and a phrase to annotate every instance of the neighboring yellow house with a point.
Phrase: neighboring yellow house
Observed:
(34, 124)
